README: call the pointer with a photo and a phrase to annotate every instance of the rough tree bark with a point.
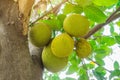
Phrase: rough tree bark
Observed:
(15, 60)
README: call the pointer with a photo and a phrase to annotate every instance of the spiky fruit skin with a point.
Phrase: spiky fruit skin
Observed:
(62, 45)
(40, 34)
(51, 62)
(83, 48)
(76, 25)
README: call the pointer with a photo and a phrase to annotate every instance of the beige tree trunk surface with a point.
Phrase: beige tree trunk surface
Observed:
(15, 60)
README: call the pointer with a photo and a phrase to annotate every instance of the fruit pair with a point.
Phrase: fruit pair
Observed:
(55, 55)
(77, 26)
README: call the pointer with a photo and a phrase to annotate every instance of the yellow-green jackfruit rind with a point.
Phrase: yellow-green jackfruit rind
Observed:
(40, 34)
(62, 45)
(83, 48)
(51, 62)
(76, 25)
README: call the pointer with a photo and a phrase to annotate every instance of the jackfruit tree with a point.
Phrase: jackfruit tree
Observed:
(59, 40)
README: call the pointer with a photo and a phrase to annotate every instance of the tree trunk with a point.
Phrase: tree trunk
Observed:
(15, 60)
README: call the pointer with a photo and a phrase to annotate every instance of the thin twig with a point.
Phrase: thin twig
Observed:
(99, 64)
(50, 3)
(112, 17)
(51, 11)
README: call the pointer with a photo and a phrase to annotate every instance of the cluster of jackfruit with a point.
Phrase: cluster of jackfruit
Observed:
(56, 51)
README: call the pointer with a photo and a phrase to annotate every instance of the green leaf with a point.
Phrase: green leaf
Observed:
(118, 23)
(54, 77)
(82, 73)
(72, 69)
(107, 40)
(100, 70)
(77, 9)
(111, 28)
(90, 66)
(100, 62)
(118, 4)
(99, 73)
(73, 58)
(98, 76)
(61, 18)
(69, 78)
(117, 79)
(53, 23)
(83, 77)
(105, 2)
(117, 39)
(94, 14)
(93, 44)
(116, 65)
(70, 8)
(84, 3)
(114, 73)
(100, 56)
(100, 51)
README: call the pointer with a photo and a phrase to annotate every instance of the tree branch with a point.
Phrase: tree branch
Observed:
(113, 14)
(53, 10)
(99, 64)
(111, 18)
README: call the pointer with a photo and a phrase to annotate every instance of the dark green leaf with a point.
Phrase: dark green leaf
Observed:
(118, 4)
(116, 65)
(99, 73)
(100, 70)
(98, 76)
(94, 14)
(117, 39)
(114, 73)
